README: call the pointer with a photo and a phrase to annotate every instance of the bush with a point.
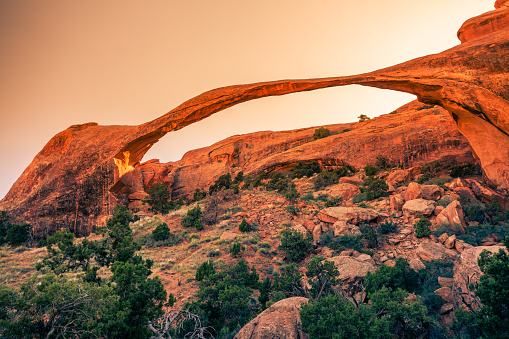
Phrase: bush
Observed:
(422, 228)
(334, 201)
(363, 117)
(295, 246)
(341, 243)
(292, 209)
(205, 270)
(238, 178)
(199, 195)
(159, 199)
(192, 219)
(321, 132)
(327, 178)
(161, 232)
(370, 234)
(18, 234)
(370, 170)
(305, 169)
(388, 227)
(382, 162)
(376, 189)
(399, 276)
(245, 226)
(465, 170)
(224, 181)
(474, 235)
(236, 248)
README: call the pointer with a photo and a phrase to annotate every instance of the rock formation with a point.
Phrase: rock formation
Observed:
(67, 182)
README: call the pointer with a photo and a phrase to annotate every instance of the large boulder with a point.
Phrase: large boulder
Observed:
(413, 191)
(344, 191)
(280, 320)
(432, 192)
(419, 208)
(352, 269)
(397, 201)
(352, 215)
(401, 176)
(452, 216)
(431, 251)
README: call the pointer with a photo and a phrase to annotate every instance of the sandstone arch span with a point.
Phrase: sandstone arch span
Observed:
(68, 181)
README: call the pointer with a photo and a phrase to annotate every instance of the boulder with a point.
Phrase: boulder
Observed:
(452, 216)
(342, 227)
(431, 251)
(432, 192)
(418, 208)
(413, 192)
(443, 238)
(465, 192)
(416, 264)
(445, 293)
(401, 176)
(397, 201)
(345, 191)
(450, 242)
(352, 215)
(445, 282)
(301, 229)
(280, 320)
(458, 182)
(352, 269)
(486, 194)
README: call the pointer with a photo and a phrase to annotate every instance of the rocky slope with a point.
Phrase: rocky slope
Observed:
(67, 183)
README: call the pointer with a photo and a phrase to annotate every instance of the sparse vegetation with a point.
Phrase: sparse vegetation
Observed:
(320, 133)
(422, 228)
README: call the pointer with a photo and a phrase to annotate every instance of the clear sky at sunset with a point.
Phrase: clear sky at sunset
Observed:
(126, 62)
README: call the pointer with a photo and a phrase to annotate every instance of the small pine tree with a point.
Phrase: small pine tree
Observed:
(193, 218)
(422, 228)
(205, 270)
(236, 249)
(161, 232)
(245, 226)
(363, 117)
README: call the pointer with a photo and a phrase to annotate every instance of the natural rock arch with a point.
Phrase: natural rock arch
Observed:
(68, 181)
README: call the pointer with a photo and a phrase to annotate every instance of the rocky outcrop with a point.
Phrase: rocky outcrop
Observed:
(352, 215)
(466, 272)
(280, 320)
(67, 183)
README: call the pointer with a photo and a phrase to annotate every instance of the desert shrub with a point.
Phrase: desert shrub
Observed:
(422, 228)
(305, 169)
(321, 132)
(147, 240)
(307, 197)
(292, 209)
(205, 270)
(291, 193)
(238, 178)
(428, 278)
(192, 219)
(369, 233)
(424, 107)
(328, 178)
(465, 170)
(376, 189)
(388, 227)
(245, 226)
(341, 243)
(430, 170)
(224, 181)
(475, 212)
(474, 235)
(279, 182)
(158, 199)
(370, 170)
(382, 162)
(199, 195)
(334, 201)
(363, 117)
(295, 245)
(360, 197)
(442, 202)
(399, 276)
(161, 232)
(236, 248)
(439, 181)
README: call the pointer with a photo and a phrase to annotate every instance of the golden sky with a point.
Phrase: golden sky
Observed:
(64, 62)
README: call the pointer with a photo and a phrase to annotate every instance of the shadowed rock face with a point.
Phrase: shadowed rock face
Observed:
(67, 182)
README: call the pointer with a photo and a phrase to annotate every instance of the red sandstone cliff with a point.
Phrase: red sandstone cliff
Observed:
(66, 184)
